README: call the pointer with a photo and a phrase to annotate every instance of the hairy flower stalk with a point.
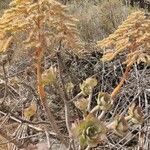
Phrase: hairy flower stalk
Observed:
(43, 99)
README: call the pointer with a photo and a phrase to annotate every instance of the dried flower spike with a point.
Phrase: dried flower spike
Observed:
(132, 37)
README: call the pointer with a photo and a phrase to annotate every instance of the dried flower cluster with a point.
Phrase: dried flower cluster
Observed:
(46, 18)
(132, 37)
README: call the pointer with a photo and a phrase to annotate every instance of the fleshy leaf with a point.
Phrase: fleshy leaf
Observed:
(120, 126)
(30, 111)
(69, 87)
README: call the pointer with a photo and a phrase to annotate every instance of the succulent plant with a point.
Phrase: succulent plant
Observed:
(81, 104)
(104, 101)
(89, 131)
(69, 87)
(120, 125)
(135, 114)
(88, 85)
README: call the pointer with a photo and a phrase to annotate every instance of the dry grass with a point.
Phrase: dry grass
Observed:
(98, 20)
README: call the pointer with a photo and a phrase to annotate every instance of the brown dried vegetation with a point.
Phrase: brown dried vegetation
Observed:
(54, 102)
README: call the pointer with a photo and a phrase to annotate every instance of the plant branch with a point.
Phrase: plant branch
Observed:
(76, 97)
(102, 115)
(6, 81)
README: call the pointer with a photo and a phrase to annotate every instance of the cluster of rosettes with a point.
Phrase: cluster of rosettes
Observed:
(92, 130)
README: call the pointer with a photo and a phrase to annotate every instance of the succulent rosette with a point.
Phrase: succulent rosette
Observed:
(82, 104)
(89, 131)
(88, 85)
(135, 114)
(120, 125)
(104, 101)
